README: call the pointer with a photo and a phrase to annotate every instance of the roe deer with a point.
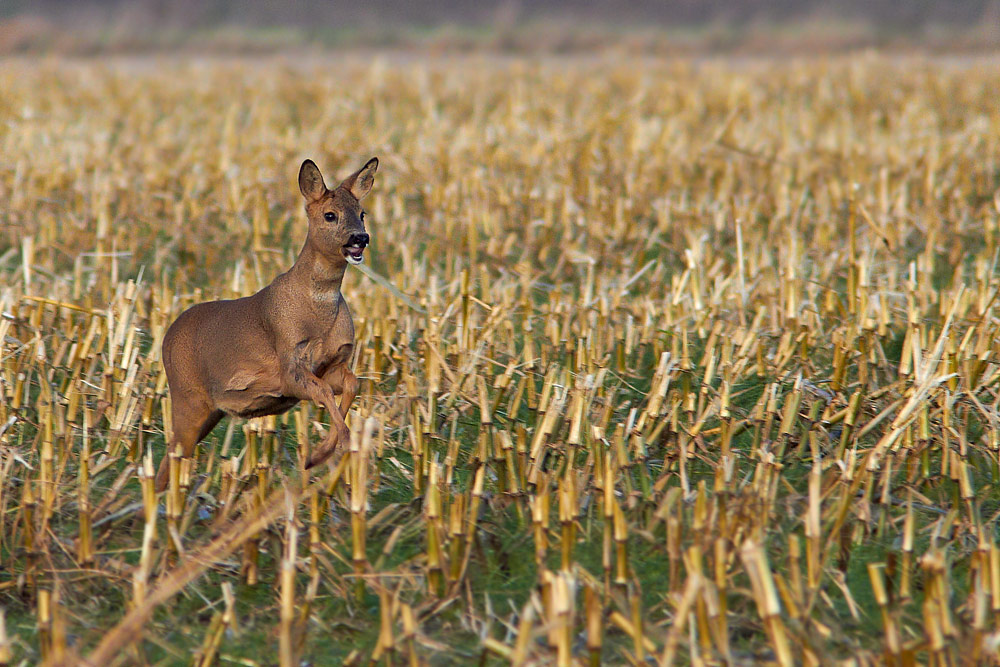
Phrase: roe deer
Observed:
(289, 342)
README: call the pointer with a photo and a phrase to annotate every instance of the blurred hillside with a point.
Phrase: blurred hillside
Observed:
(741, 26)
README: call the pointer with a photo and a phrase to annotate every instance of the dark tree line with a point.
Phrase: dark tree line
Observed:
(901, 14)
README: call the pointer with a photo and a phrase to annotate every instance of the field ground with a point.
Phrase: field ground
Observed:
(701, 363)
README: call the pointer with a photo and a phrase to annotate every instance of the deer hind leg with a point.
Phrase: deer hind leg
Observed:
(192, 421)
(345, 383)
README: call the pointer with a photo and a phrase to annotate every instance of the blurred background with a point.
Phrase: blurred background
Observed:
(542, 26)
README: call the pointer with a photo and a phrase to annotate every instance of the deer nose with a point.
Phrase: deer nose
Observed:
(358, 240)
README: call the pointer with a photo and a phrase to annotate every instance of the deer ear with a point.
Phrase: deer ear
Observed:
(360, 182)
(311, 181)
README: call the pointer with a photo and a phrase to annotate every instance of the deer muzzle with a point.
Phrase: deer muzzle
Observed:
(355, 248)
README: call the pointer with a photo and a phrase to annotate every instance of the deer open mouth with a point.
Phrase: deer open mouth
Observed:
(354, 253)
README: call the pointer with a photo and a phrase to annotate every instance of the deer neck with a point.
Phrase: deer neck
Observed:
(322, 276)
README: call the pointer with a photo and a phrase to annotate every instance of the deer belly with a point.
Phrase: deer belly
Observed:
(263, 405)
(253, 395)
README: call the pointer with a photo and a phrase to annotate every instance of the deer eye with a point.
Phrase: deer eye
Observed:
(330, 217)
(362, 216)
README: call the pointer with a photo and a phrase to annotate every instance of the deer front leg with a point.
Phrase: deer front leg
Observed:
(342, 381)
(304, 385)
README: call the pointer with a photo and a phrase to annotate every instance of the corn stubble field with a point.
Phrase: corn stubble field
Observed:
(699, 363)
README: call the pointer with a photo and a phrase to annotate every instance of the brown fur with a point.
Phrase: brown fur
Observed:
(291, 341)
